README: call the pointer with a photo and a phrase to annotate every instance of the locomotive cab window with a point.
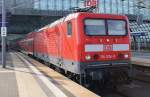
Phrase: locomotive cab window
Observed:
(116, 27)
(69, 29)
(95, 27)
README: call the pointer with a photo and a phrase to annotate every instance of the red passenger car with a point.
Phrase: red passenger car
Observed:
(87, 45)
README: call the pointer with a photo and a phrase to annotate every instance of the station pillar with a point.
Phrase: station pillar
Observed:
(3, 33)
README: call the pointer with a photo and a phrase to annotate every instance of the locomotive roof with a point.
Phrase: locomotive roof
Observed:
(67, 18)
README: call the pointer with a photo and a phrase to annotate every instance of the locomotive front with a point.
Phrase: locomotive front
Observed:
(106, 47)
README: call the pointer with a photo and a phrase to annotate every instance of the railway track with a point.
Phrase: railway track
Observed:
(121, 94)
(112, 93)
(141, 73)
(142, 76)
(142, 80)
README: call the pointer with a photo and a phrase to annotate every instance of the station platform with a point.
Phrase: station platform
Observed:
(25, 77)
(141, 58)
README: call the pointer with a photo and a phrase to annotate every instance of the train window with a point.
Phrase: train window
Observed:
(69, 28)
(116, 27)
(95, 27)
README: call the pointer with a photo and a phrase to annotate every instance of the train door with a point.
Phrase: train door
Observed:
(59, 43)
(33, 46)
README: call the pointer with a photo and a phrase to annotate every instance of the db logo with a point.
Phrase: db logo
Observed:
(107, 47)
(91, 3)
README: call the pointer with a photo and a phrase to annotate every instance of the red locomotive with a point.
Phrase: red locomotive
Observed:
(84, 45)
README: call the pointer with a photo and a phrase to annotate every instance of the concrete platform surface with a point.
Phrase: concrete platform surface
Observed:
(140, 58)
(25, 77)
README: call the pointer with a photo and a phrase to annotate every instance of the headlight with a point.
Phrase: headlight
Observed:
(126, 56)
(88, 57)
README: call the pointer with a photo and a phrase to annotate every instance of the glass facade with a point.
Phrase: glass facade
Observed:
(142, 40)
(116, 6)
(55, 4)
(104, 6)
(17, 4)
